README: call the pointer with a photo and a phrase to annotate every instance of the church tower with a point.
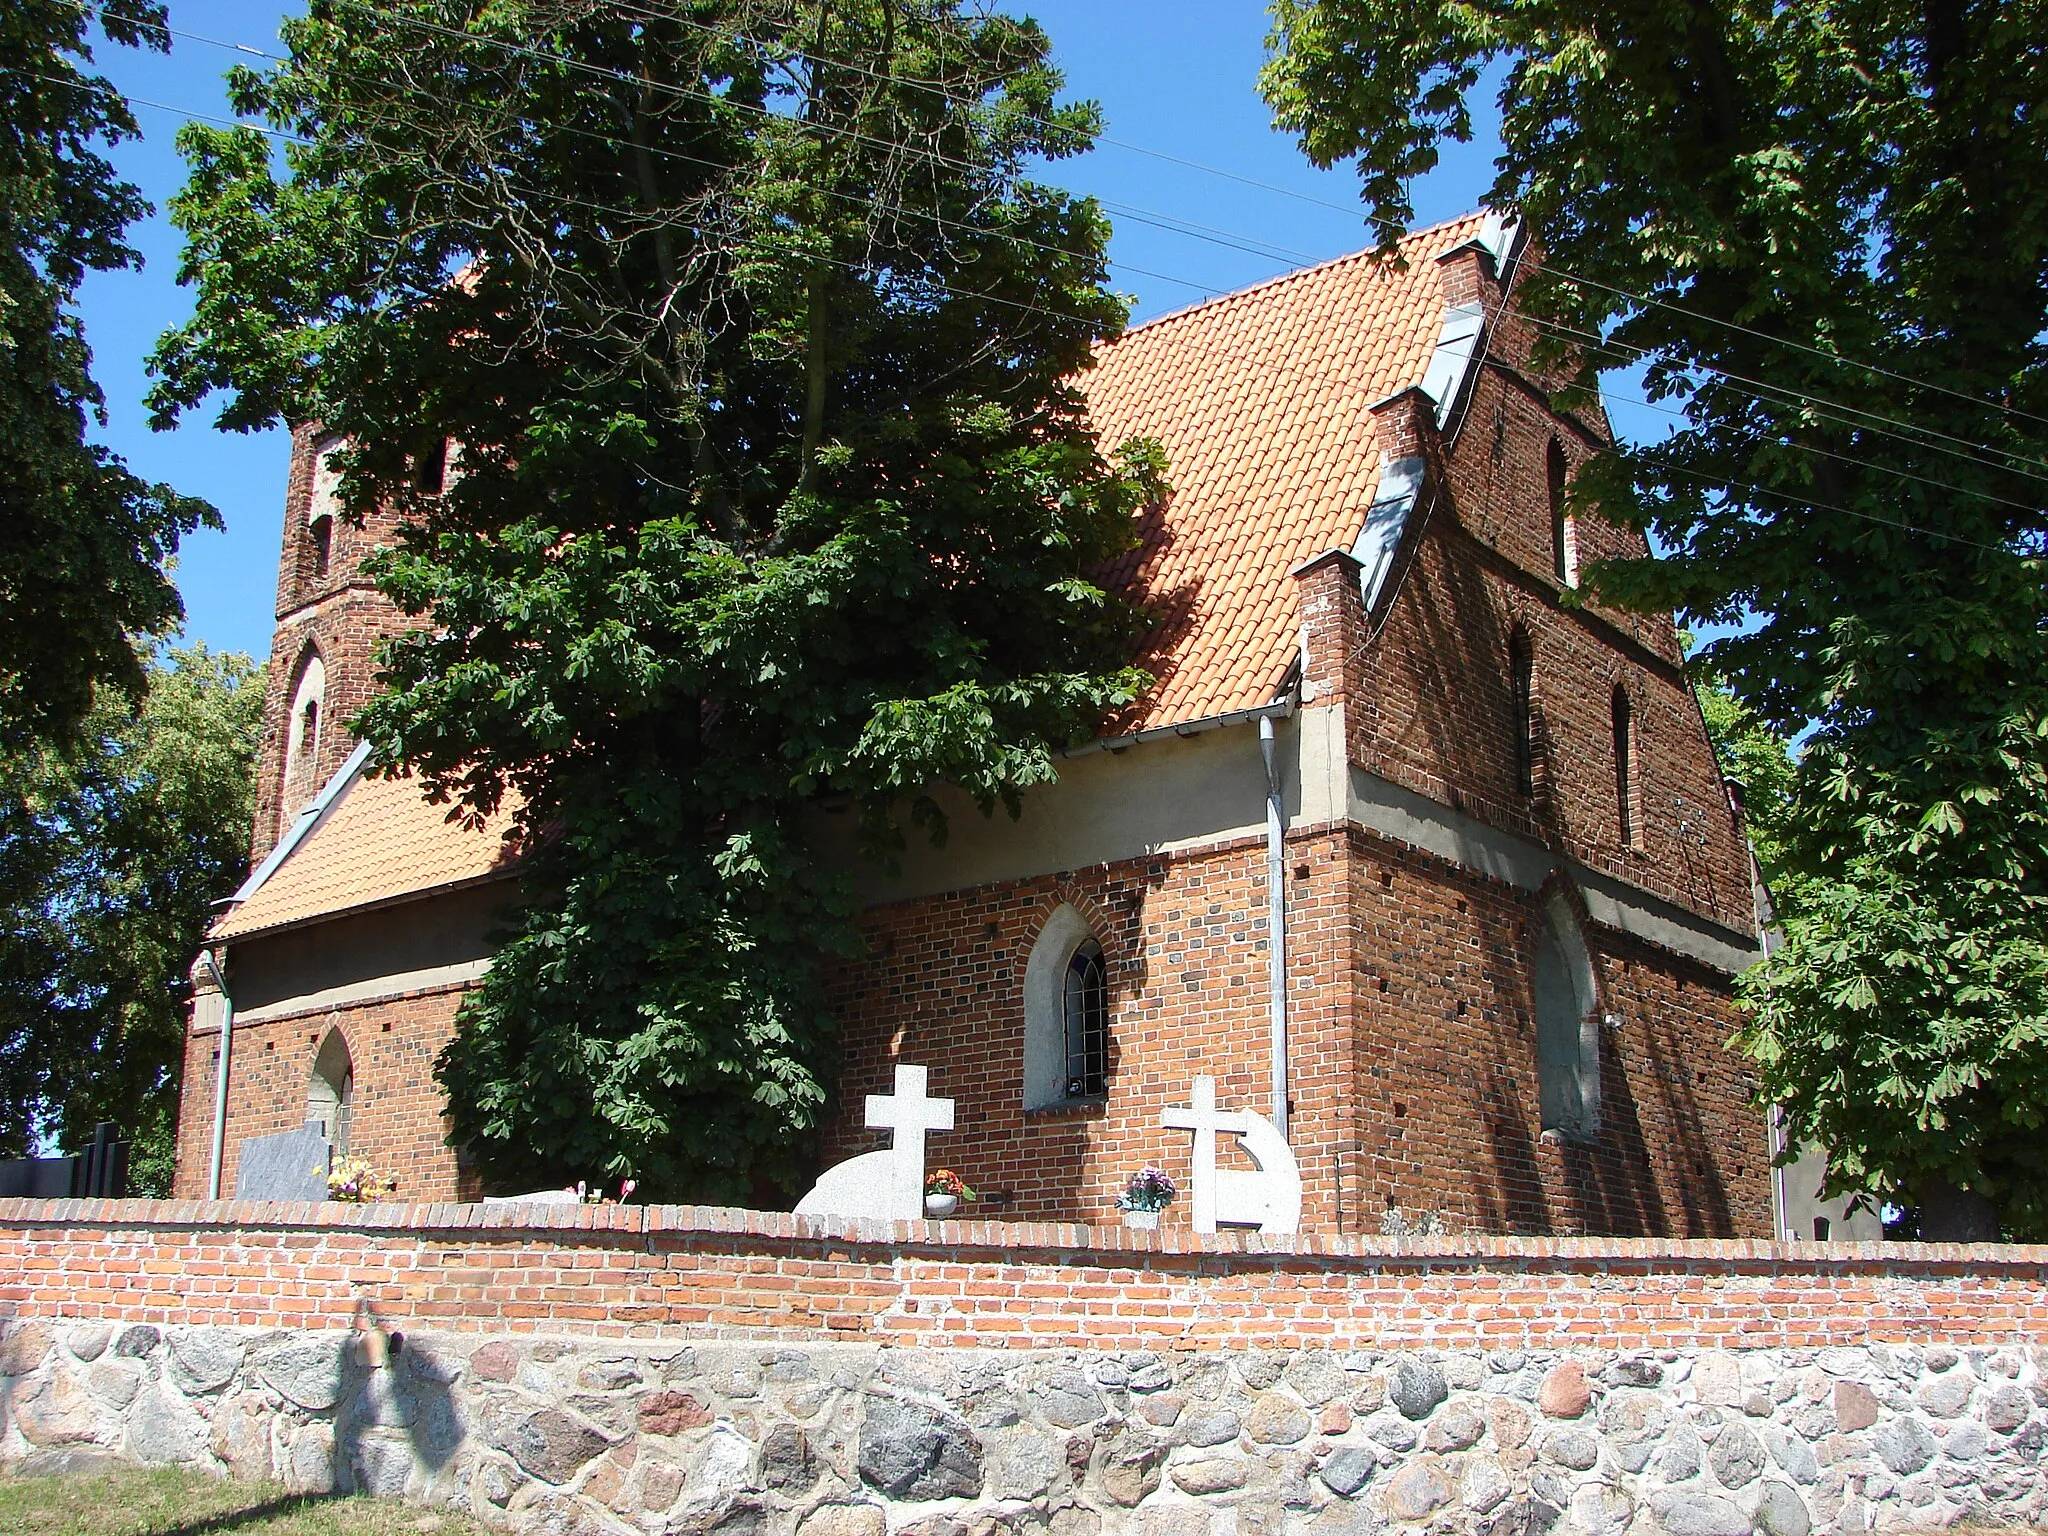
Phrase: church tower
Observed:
(330, 621)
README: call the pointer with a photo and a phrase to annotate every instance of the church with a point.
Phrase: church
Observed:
(1409, 849)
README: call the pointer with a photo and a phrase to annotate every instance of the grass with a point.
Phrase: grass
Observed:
(173, 1503)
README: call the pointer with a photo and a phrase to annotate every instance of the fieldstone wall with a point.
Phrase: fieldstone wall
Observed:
(580, 1436)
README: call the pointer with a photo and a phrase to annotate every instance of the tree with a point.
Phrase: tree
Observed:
(112, 854)
(771, 488)
(1759, 759)
(1822, 224)
(84, 544)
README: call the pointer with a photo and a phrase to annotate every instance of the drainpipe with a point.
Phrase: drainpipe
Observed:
(1276, 920)
(220, 1076)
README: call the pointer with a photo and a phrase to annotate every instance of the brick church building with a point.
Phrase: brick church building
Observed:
(1406, 848)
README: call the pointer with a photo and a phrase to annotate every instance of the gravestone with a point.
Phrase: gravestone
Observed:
(1269, 1199)
(291, 1165)
(886, 1185)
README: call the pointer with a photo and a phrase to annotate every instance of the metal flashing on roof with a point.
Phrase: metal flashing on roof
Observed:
(1386, 520)
(302, 827)
(1501, 238)
(1451, 366)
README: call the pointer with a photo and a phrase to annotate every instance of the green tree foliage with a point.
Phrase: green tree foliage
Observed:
(1824, 224)
(771, 487)
(111, 856)
(83, 542)
(1763, 763)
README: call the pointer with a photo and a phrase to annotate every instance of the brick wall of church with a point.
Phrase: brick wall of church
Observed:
(1413, 1051)
(1447, 1101)
(396, 1121)
(1185, 941)
(1432, 705)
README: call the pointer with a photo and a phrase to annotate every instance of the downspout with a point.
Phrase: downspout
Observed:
(1276, 920)
(220, 1076)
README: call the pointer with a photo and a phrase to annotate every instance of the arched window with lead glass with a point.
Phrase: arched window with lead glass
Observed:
(1066, 1013)
(330, 1099)
(1087, 1023)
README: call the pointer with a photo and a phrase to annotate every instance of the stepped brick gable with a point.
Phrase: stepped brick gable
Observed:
(1514, 894)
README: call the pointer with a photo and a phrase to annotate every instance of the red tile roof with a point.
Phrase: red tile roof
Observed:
(1262, 400)
(380, 842)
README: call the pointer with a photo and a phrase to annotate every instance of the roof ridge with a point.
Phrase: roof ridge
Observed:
(1291, 274)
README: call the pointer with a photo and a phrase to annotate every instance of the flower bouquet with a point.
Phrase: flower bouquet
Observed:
(354, 1182)
(943, 1191)
(1148, 1192)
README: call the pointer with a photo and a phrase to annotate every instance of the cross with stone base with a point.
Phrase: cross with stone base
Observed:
(910, 1114)
(1205, 1120)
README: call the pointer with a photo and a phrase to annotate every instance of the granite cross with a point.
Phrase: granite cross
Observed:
(910, 1114)
(1205, 1120)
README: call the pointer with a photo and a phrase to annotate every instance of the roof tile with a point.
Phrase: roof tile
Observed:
(380, 842)
(1262, 400)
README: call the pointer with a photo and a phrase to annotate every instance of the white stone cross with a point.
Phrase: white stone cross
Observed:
(910, 1114)
(886, 1185)
(1205, 1120)
(1269, 1199)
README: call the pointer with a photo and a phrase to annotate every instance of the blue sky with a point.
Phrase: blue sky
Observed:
(1178, 79)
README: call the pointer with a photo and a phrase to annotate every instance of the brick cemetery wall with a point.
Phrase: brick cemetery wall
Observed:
(619, 1370)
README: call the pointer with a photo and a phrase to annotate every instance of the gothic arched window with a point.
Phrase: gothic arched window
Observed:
(322, 508)
(1087, 1023)
(430, 470)
(320, 535)
(1522, 688)
(1564, 553)
(302, 737)
(1066, 1014)
(330, 1098)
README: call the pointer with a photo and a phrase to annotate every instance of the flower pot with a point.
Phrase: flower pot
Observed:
(1144, 1221)
(939, 1207)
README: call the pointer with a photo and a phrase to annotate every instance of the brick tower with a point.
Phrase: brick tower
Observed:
(330, 621)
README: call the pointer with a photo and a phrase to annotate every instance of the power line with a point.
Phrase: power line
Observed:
(1731, 484)
(1598, 345)
(1960, 490)
(1757, 388)
(1140, 215)
(1385, 225)
(1780, 395)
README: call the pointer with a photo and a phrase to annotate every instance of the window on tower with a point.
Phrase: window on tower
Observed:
(302, 739)
(430, 470)
(320, 534)
(1522, 688)
(1564, 541)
